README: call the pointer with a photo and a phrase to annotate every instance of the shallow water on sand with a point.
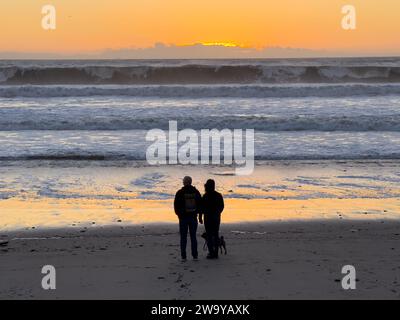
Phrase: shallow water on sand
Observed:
(80, 194)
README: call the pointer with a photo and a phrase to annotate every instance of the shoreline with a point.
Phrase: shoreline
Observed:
(89, 213)
(274, 260)
(157, 227)
(60, 196)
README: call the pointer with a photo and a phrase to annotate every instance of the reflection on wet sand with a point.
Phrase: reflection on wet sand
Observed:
(83, 194)
(19, 213)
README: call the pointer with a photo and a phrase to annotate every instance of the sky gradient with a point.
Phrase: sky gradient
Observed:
(95, 25)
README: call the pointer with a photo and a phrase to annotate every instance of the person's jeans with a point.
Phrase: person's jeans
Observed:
(212, 230)
(185, 224)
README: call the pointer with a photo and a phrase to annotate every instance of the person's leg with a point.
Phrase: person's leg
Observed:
(193, 236)
(211, 239)
(216, 237)
(207, 226)
(214, 241)
(183, 230)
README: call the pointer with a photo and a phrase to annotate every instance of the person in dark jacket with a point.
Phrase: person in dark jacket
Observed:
(212, 207)
(187, 205)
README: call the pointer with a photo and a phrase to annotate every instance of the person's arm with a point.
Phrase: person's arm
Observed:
(221, 204)
(177, 204)
(199, 202)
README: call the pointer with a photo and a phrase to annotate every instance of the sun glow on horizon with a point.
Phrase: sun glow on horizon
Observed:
(220, 44)
(92, 25)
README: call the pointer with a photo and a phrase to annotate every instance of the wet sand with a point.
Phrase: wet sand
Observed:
(100, 226)
(275, 260)
(37, 194)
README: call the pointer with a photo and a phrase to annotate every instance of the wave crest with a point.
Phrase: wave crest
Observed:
(201, 91)
(197, 74)
(95, 121)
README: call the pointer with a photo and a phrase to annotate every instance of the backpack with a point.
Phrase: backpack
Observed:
(190, 203)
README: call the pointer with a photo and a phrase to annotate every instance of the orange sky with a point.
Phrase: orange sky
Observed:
(88, 25)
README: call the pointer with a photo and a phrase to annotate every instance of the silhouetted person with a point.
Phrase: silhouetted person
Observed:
(187, 205)
(212, 207)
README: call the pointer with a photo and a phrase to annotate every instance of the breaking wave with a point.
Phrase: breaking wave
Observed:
(97, 121)
(201, 91)
(196, 74)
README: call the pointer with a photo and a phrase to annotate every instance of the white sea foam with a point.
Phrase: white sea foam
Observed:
(201, 91)
(356, 114)
(131, 145)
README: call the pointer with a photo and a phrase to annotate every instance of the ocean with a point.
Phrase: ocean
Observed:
(299, 109)
(73, 147)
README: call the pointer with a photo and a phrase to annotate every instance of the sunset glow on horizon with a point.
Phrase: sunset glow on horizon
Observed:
(221, 44)
(94, 25)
